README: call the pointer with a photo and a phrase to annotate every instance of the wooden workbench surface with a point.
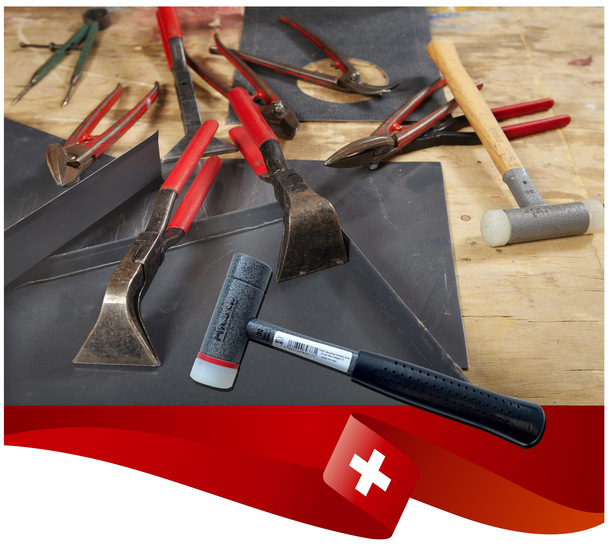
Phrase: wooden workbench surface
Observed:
(533, 313)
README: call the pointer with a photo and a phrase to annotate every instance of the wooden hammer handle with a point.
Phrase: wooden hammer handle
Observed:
(473, 105)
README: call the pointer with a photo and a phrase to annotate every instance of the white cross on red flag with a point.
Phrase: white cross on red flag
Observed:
(371, 473)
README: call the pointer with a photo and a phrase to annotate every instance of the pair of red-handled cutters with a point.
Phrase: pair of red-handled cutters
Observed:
(438, 128)
(349, 82)
(119, 336)
(68, 162)
(276, 113)
(171, 36)
(312, 238)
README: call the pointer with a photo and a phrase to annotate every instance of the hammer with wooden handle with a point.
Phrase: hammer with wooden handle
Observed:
(535, 219)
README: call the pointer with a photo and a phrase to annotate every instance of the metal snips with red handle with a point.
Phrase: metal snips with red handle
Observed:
(68, 161)
(438, 128)
(350, 80)
(274, 110)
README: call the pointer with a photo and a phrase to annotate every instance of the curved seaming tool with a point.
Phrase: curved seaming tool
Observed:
(171, 36)
(349, 82)
(119, 336)
(276, 113)
(312, 238)
(95, 19)
(68, 161)
(437, 129)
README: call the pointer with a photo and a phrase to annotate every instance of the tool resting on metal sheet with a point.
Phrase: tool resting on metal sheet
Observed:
(119, 336)
(350, 81)
(312, 238)
(95, 19)
(535, 219)
(234, 322)
(171, 36)
(277, 114)
(439, 128)
(68, 162)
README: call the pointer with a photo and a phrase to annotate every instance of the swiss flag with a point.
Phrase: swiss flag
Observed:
(371, 473)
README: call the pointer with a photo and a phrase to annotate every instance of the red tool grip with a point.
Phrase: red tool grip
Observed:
(192, 201)
(250, 116)
(522, 109)
(177, 179)
(249, 150)
(537, 126)
(170, 22)
(164, 38)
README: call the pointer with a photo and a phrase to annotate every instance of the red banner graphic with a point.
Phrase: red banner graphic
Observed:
(348, 469)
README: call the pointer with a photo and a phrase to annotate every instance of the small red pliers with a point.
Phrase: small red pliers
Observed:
(67, 162)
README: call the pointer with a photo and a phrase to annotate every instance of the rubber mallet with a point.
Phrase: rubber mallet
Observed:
(234, 322)
(535, 219)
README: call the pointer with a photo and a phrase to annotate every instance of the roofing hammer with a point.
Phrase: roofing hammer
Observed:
(234, 322)
(535, 219)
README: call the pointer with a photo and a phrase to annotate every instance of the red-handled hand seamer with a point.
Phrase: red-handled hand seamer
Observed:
(67, 162)
(119, 336)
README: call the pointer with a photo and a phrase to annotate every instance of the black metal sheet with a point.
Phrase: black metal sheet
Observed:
(397, 220)
(40, 216)
(392, 38)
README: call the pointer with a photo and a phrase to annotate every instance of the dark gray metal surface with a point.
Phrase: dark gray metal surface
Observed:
(392, 38)
(40, 216)
(396, 216)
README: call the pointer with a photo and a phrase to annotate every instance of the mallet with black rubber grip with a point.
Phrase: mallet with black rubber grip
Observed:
(535, 219)
(234, 322)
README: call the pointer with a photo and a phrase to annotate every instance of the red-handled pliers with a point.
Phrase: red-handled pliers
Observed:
(171, 36)
(67, 162)
(438, 128)
(119, 336)
(281, 119)
(349, 82)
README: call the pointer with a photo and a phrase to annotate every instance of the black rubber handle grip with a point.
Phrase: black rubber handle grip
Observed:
(517, 421)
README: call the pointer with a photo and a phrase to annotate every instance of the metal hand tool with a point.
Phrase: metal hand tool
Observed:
(51, 45)
(535, 219)
(171, 36)
(439, 128)
(95, 19)
(234, 322)
(311, 238)
(68, 162)
(276, 113)
(119, 336)
(349, 82)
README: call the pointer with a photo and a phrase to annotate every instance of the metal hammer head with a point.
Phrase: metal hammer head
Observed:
(219, 357)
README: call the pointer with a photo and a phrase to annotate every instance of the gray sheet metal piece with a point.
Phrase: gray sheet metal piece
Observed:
(392, 38)
(52, 317)
(40, 216)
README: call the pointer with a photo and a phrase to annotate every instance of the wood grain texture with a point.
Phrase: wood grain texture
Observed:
(533, 312)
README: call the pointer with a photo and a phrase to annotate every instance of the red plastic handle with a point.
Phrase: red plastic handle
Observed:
(249, 150)
(538, 126)
(250, 116)
(164, 38)
(170, 22)
(522, 109)
(177, 179)
(183, 217)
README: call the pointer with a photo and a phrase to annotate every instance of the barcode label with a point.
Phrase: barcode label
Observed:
(328, 355)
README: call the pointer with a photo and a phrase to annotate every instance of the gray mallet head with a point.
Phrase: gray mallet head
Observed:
(536, 220)
(219, 357)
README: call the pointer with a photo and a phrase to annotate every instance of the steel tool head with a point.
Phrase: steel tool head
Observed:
(119, 336)
(219, 357)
